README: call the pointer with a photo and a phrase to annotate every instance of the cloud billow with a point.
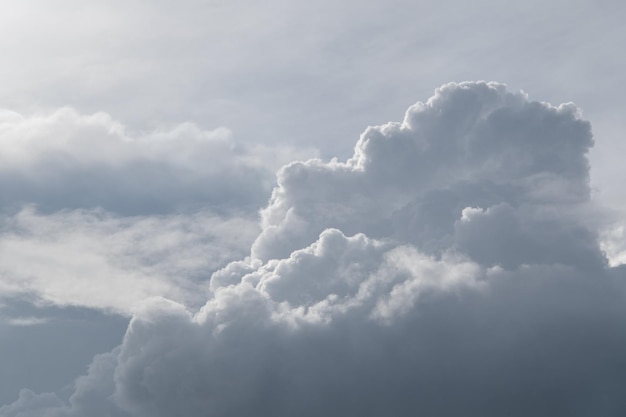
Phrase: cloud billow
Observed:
(448, 268)
(471, 145)
(94, 215)
(65, 160)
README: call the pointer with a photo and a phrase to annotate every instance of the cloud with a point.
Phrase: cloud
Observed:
(613, 241)
(94, 259)
(470, 145)
(66, 160)
(93, 215)
(448, 268)
(44, 348)
(27, 321)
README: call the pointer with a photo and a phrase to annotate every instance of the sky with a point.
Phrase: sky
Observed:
(214, 208)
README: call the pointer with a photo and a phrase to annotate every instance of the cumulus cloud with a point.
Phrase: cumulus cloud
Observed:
(448, 268)
(613, 241)
(66, 160)
(468, 146)
(94, 215)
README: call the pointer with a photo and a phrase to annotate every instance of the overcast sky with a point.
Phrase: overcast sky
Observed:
(287, 208)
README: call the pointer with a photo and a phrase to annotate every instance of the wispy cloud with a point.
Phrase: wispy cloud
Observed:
(26, 321)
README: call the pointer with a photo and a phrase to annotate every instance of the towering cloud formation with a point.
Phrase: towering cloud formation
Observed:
(469, 146)
(448, 268)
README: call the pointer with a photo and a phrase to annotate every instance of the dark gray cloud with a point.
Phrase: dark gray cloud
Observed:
(450, 267)
(45, 347)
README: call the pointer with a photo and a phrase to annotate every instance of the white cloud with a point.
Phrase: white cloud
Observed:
(65, 160)
(613, 242)
(438, 271)
(95, 216)
(98, 260)
(470, 144)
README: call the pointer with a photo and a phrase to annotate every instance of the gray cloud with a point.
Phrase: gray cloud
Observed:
(469, 145)
(448, 268)
(92, 215)
(48, 355)
(65, 160)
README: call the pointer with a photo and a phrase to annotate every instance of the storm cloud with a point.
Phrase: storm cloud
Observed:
(452, 266)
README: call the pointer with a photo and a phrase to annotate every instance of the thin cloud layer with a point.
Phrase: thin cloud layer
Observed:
(448, 268)
(98, 260)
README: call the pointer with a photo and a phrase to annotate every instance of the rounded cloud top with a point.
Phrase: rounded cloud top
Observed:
(472, 144)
